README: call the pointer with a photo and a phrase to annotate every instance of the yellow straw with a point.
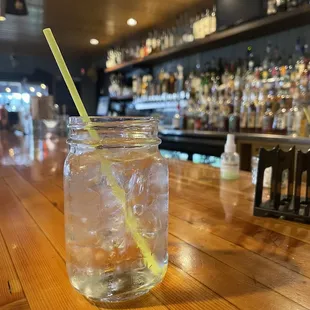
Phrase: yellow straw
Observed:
(119, 193)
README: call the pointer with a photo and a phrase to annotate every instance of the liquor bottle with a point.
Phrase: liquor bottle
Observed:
(213, 20)
(266, 61)
(166, 41)
(280, 119)
(260, 110)
(294, 117)
(207, 24)
(177, 121)
(234, 118)
(267, 119)
(292, 4)
(190, 118)
(165, 85)
(134, 85)
(205, 119)
(213, 115)
(281, 5)
(244, 112)
(251, 114)
(180, 79)
(172, 38)
(271, 7)
(171, 85)
(148, 44)
(196, 27)
(223, 118)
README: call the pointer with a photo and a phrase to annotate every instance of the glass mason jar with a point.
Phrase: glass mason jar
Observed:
(116, 207)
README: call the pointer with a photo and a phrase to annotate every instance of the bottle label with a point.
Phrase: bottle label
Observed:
(281, 123)
(259, 120)
(267, 124)
(176, 123)
(251, 120)
(229, 170)
(243, 119)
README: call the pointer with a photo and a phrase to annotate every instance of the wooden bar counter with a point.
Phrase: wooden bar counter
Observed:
(220, 255)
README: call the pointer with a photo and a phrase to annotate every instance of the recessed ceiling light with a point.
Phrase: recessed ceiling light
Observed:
(43, 86)
(132, 22)
(32, 89)
(2, 18)
(94, 42)
(8, 89)
(39, 94)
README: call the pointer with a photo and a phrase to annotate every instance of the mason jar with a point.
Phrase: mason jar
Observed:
(116, 207)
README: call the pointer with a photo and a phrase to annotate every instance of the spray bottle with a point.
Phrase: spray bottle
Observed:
(230, 160)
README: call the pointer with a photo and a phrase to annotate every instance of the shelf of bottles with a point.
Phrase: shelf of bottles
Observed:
(186, 30)
(271, 96)
(268, 96)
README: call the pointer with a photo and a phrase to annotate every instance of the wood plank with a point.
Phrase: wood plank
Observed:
(40, 269)
(253, 265)
(49, 218)
(10, 287)
(239, 289)
(286, 251)
(180, 291)
(46, 187)
(224, 202)
(17, 305)
(7, 171)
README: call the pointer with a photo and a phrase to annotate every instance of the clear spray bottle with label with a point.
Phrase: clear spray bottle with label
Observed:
(230, 160)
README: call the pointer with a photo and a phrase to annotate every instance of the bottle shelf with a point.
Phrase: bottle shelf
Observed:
(250, 30)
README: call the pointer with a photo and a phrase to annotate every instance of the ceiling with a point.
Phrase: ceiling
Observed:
(75, 22)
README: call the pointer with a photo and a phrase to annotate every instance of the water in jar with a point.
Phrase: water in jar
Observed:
(104, 262)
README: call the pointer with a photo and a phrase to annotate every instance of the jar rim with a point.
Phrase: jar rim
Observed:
(78, 120)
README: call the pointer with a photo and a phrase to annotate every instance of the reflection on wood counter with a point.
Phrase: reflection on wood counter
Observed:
(220, 255)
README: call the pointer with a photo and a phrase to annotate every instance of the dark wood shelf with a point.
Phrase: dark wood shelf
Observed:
(250, 30)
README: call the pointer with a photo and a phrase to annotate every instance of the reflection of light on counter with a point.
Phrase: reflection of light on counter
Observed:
(14, 246)
(11, 152)
(50, 145)
(9, 97)
(39, 151)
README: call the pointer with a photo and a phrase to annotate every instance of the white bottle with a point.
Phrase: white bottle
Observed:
(230, 160)
(213, 20)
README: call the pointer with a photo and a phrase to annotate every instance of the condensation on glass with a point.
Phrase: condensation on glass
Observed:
(109, 156)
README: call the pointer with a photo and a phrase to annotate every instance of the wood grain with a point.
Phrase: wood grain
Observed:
(242, 291)
(221, 257)
(17, 305)
(39, 267)
(10, 287)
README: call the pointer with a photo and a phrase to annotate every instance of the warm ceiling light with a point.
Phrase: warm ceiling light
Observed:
(32, 89)
(94, 42)
(43, 86)
(2, 10)
(8, 89)
(132, 22)
(39, 94)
